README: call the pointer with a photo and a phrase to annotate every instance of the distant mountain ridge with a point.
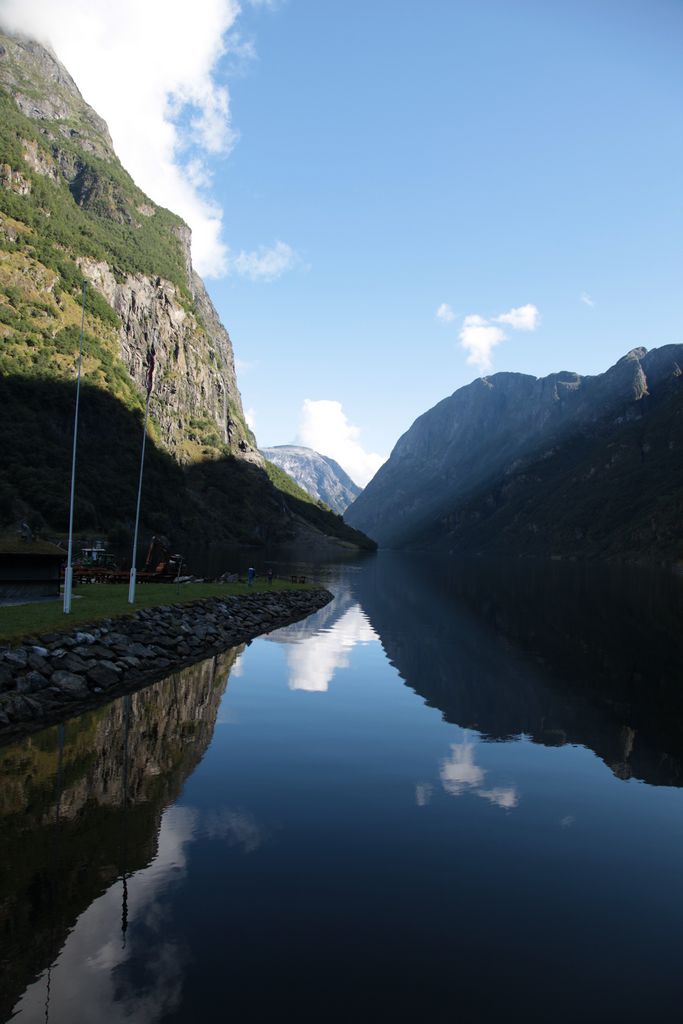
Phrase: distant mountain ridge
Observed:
(319, 475)
(560, 465)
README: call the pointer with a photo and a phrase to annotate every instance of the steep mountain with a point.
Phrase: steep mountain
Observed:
(562, 465)
(319, 475)
(70, 213)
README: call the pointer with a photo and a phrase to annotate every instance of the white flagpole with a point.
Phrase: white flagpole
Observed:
(131, 585)
(68, 576)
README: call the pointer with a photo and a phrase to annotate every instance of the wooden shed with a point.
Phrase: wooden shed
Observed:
(29, 569)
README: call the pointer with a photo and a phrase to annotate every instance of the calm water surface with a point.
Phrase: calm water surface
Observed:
(454, 794)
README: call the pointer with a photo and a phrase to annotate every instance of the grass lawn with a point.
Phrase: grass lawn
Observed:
(94, 601)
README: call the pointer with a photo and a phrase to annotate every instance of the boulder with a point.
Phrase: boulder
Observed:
(104, 675)
(31, 682)
(70, 684)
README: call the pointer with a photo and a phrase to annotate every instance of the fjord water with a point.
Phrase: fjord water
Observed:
(452, 794)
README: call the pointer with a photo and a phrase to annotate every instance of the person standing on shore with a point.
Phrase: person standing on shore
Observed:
(250, 575)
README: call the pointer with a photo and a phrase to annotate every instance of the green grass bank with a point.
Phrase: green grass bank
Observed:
(96, 601)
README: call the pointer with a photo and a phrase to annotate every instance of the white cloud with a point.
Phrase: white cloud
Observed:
(521, 318)
(586, 299)
(324, 428)
(250, 417)
(151, 70)
(444, 313)
(478, 337)
(265, 263)
(245, 365)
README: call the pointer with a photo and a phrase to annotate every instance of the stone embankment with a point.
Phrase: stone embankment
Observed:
(51, 677)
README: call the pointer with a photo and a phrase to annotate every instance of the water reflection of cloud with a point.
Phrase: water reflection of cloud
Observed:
(460, 774)
(91, 978)
(236, 828)
(503, 796)
(423, 793)
(313, 660)
(88, 981)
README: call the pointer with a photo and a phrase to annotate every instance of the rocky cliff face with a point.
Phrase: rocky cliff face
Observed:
(69, 214)
(196, 403)
(319, 475)
(465, 453)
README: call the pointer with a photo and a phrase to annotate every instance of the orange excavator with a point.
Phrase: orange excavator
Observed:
(160, 564)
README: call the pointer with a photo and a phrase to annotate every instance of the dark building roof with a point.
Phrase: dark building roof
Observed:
(13, 544)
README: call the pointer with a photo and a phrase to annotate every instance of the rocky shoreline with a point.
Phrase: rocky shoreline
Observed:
(51, 677)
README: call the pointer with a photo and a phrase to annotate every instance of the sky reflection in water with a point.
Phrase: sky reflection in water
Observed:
(320, 838)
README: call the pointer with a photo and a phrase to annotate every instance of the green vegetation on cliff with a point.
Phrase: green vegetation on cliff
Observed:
(69, 210)
(84, 205)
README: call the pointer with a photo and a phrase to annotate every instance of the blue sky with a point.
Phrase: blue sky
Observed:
(484, 155)
(388, 157)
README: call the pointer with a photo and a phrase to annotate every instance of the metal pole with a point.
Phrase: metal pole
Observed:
(68, 576)
(131, 585)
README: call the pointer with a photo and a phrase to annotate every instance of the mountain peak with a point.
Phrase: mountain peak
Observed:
(319, 475)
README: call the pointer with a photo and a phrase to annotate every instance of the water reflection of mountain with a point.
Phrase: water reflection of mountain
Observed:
(324, 618)
(321, 644)
(561, 653)
(82, 807)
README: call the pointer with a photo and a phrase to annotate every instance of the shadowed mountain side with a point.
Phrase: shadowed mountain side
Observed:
(563, 464)
(217, 500)
(611, 489)
(560, 653)
(71, 828)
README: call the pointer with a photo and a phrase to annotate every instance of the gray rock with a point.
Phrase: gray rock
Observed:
(17, 657)
(72, 663)
(84, 638)
(31, 682)
(38, 663)
(70, 685)
(111, 667)
(6, 677)
(140, 650)
(104, 676)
